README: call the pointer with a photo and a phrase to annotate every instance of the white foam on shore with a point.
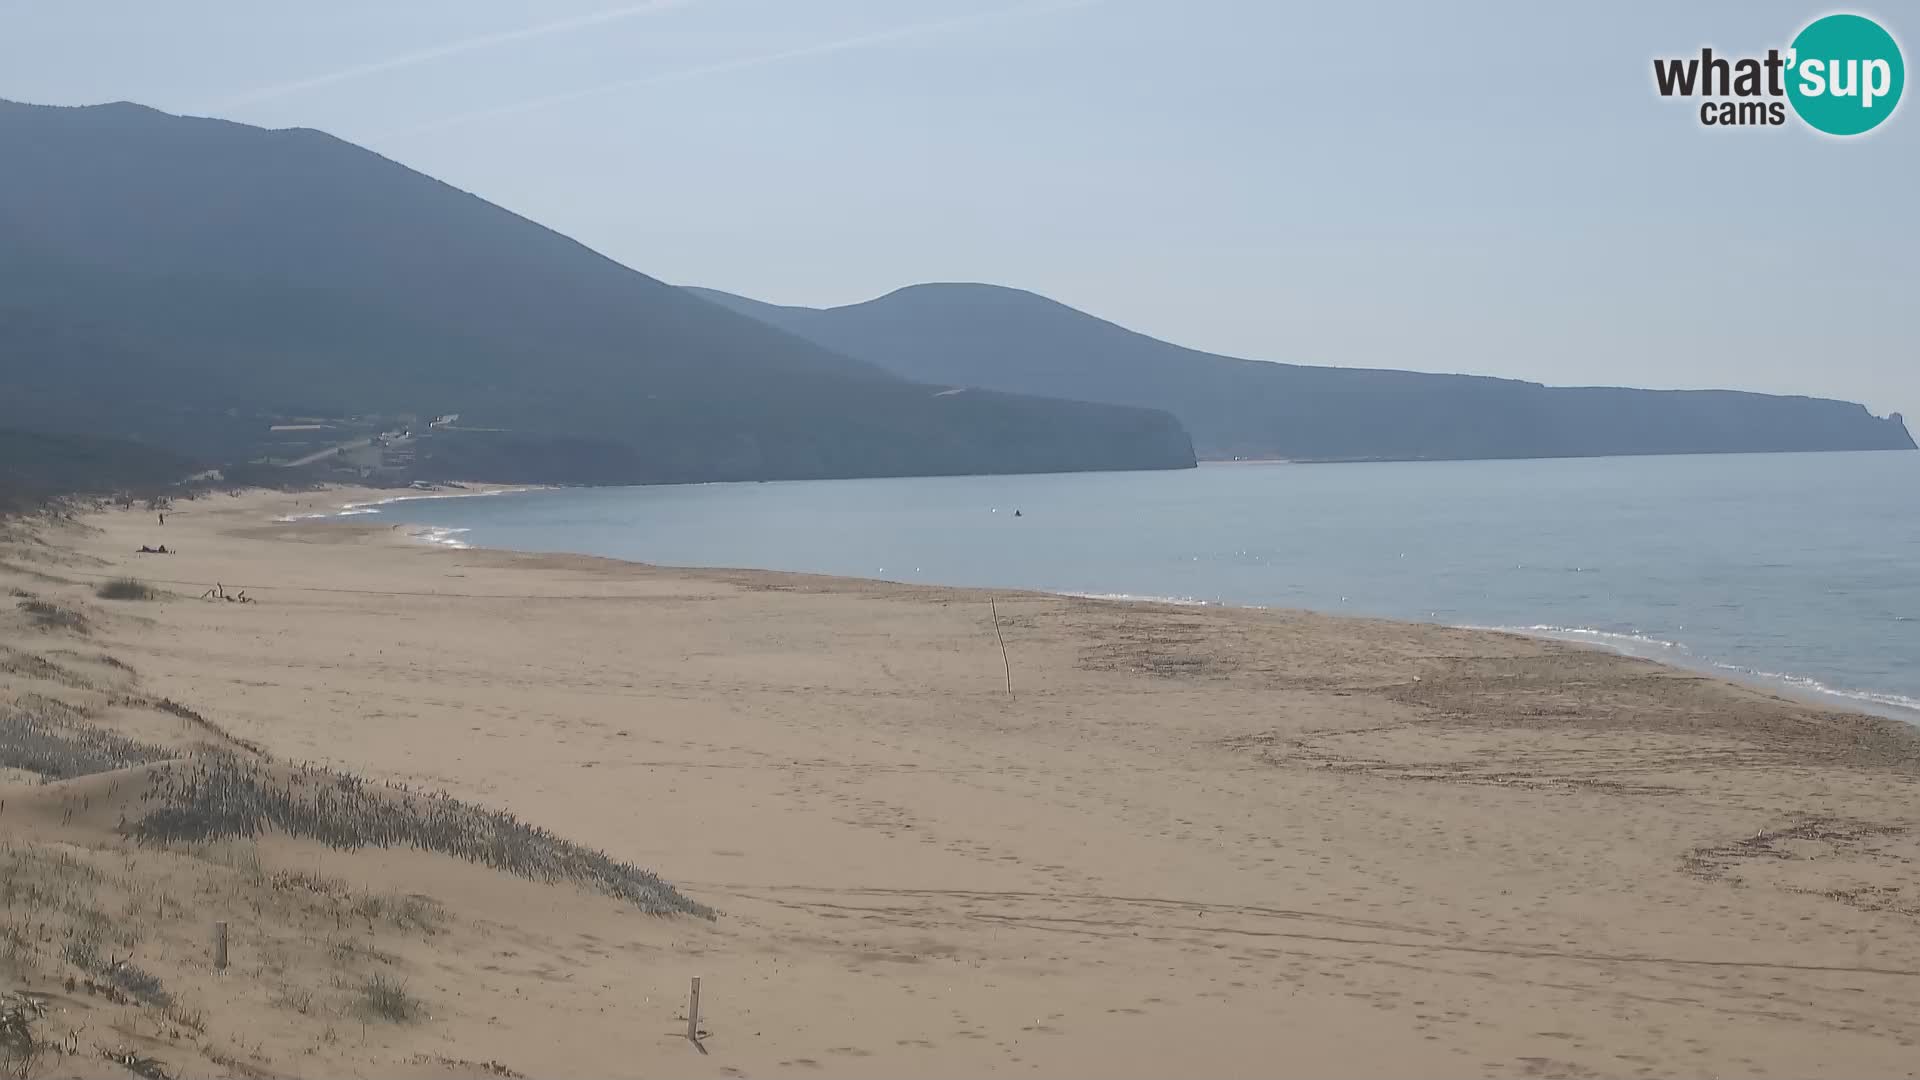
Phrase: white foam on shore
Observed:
(1133, 598)
(374, 506)
(346, 511)
(1896, 706)
(1623, 642)
(1906, 707)
(442, 537)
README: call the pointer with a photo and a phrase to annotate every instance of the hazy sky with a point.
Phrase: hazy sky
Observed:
(1486, 187)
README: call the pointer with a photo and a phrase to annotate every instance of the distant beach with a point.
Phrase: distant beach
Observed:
(1791, 571)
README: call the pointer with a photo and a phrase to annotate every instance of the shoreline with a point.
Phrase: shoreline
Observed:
(1360, 846)
(371, 506)
(1809, 689)
(1803, 688)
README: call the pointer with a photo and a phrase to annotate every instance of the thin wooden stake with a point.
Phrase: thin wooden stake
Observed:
(220, 946)
(693, 1013)
(1004, 662)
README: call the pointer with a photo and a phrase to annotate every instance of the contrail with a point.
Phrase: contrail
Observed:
(862, 41)
(452, 48)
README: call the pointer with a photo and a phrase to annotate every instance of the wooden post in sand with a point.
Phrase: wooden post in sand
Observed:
(220, 946)
(693, 1012)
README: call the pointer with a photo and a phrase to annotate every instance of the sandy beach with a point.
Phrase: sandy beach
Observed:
(1189, 841)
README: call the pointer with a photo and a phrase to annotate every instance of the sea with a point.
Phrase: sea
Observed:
(1797, 571)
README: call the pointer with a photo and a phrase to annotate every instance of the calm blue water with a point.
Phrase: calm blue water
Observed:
(1795, 567)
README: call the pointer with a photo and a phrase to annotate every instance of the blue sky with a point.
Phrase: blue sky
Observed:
(1488, 187)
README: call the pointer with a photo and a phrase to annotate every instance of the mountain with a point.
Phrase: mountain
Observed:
(192, 283)
(34, 466)
(1014, 341)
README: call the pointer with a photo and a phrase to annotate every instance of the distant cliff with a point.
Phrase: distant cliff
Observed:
(1006, 339)
(192, 283)
(35, 466)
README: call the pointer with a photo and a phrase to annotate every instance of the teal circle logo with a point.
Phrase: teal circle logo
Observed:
(1845, 74)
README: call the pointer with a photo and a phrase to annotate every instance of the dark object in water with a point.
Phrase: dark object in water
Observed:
(1016, 513)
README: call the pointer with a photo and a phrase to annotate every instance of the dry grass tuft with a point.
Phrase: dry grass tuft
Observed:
(191, 1017)
(142, 985)
(296, 998)
(388, 999)
(406, 911)
(127, 588)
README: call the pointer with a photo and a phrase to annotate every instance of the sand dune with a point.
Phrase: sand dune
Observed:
(1192, 841)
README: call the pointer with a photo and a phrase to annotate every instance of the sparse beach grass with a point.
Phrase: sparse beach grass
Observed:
(127, 588)
(216, 796)
(37, 737)
(47, 615)
(383, 997)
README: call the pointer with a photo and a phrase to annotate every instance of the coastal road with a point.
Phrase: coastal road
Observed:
(329, 452)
